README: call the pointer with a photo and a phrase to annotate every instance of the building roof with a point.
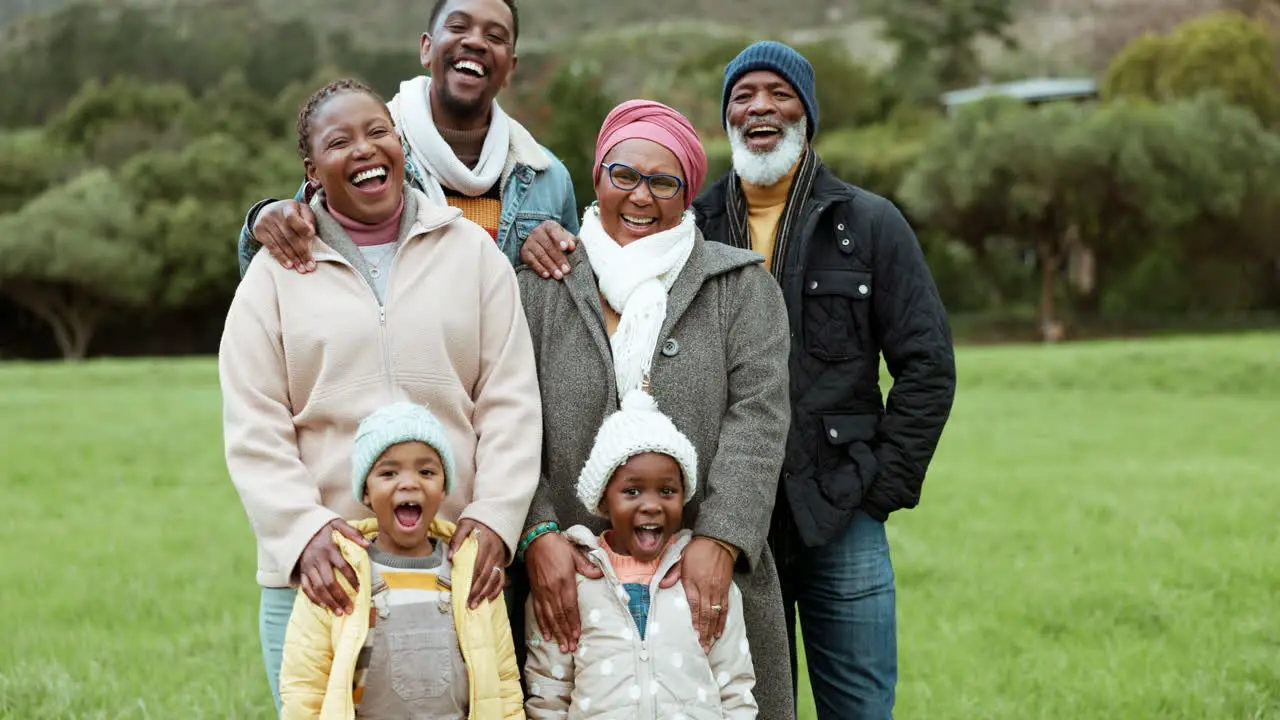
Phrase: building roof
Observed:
(1030, 90)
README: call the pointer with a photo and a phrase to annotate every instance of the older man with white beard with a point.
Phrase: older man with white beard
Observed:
(857, 288)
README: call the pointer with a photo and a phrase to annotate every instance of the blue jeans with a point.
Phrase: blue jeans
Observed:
(273, 621)
(844, 593)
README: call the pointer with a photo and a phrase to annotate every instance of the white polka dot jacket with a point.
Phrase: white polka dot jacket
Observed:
(619, 673)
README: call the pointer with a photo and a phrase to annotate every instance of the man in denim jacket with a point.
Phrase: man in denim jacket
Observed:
(460, 147)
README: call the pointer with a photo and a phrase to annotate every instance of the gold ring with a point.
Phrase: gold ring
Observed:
(716, 608)
(497, 569)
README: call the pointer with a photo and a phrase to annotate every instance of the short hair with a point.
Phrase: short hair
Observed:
(511, 5)
(309, 109)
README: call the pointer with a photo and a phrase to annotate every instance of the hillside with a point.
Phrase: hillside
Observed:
(543, 22)
(1055, 36)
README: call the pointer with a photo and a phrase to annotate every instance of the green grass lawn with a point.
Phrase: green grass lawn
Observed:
(1098, 539)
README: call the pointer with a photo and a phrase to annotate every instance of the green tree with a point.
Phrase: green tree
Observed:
(382, 67)
(191, 203)
(1135, 71)
(1230, 246)
(232, 108)
(997, 171)
(1228, 53)
(1176, 203)
(572, 135)
(52, 56)
(1223, 52)
(30, 163)
(875, 157)
(286, 105)
(949, 188)
(936, 40)
(282, 52)
(111, 122)
(70, 257)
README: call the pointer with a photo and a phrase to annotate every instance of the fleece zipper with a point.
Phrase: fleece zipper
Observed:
(384, 332)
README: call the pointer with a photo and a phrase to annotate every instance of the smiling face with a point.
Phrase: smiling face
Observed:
(766, 124)
(470, 53)
(761, 105)
(645, 504)
(404, 489)
(628, 215)
(353, 152)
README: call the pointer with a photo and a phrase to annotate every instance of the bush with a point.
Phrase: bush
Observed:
(1135, 72)
(876, 158)
(1225, 52)
(719, 159)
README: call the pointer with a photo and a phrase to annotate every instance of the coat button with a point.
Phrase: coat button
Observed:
(644, 656)
(671, 347)
(813, 285)
(844, 242)
(840, 227)
(833, 433)
(862, 289)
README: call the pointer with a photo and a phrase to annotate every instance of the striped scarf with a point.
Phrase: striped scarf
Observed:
(792, 215)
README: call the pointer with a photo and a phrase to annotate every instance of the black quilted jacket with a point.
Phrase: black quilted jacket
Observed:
(857, 287)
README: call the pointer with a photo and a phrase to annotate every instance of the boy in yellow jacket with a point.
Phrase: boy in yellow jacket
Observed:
(411, 648)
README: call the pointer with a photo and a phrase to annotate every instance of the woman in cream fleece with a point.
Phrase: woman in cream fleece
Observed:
(408, 298)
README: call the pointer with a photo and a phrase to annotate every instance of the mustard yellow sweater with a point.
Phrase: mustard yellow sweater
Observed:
(764, 211)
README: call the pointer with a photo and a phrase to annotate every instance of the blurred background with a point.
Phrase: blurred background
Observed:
(1097, 536)
(134, 135)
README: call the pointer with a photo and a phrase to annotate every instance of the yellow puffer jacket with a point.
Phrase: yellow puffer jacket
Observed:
(321, 649)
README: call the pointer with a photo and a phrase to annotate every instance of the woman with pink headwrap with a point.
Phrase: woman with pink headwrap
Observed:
(702, 328)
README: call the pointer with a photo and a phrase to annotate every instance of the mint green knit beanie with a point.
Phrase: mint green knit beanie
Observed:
(399, 422)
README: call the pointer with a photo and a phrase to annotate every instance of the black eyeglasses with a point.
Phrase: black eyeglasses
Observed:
(627, 178)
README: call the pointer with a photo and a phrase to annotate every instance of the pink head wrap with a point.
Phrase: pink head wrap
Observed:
(654, 121)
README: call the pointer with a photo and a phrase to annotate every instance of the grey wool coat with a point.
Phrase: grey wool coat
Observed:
(720, 373)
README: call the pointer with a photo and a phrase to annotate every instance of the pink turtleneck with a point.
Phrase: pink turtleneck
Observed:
(366, 235)
(627, 568)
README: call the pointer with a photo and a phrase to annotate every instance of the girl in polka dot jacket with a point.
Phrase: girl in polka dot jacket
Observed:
(638, 654)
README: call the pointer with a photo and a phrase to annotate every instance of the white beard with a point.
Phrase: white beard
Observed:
(767, 168)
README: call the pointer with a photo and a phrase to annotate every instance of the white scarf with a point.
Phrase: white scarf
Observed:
(635, 281)
(436, 161)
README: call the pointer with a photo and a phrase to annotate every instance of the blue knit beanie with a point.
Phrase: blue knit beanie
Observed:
(393, 424)
(777, 58)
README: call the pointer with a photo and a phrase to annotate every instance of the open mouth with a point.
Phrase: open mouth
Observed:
(470, 68)
(762, 134)
(638, 224)
(408, 515)
(649, 538)
(370, 179)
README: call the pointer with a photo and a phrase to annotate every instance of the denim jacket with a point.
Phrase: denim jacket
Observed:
(535, 187)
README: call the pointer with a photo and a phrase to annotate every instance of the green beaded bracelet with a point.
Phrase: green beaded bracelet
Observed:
(538, 531)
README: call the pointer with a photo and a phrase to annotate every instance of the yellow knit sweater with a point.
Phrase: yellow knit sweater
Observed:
(764, 210)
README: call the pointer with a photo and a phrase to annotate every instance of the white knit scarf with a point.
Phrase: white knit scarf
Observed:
(635, 280)
(439, 166)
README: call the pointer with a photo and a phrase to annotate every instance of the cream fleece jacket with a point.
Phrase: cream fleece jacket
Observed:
(305, 357)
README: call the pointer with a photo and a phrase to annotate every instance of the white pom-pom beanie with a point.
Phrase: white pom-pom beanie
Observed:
(635, 429)
(392, 424)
